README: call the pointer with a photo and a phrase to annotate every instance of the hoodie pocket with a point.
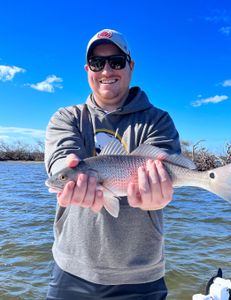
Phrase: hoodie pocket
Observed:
(133, 240)
(61, 217)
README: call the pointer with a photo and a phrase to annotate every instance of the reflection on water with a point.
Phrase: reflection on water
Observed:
(197, 231)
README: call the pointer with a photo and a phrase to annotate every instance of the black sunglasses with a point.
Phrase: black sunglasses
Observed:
(116, 62)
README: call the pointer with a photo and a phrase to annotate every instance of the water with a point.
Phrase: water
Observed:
(197, 231)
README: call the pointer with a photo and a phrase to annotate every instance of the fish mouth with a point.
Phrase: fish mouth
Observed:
(53, 188)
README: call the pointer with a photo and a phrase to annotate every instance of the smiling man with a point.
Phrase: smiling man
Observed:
(110, 85)
(96, 255)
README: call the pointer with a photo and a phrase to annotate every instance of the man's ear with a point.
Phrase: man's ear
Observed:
(132, 65)
(86, 67)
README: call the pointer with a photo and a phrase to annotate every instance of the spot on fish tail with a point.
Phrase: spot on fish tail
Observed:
(212, 175)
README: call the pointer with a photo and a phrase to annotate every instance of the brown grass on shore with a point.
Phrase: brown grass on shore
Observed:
(203, 159)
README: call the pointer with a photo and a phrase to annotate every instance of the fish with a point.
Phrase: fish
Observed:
(114, 168)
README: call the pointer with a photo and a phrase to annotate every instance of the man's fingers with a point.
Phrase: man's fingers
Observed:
(90, 193)
(165, 181)
(162, 173)
(154, 181)
(64, 198)
(161, 156)
(134, 198)
(153, 175)
(80, 189)
(144, 186)
(72, 160)
(98, 203)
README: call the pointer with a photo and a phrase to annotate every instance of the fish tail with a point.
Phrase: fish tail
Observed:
(220, 181)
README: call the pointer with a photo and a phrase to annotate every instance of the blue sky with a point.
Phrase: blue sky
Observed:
(182, 53)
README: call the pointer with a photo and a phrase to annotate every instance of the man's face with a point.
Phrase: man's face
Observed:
(109, 86)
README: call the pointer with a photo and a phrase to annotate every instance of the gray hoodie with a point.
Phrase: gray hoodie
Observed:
(98, 247)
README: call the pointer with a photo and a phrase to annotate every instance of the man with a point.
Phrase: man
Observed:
(96, 255)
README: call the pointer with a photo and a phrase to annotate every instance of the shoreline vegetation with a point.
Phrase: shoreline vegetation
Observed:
(204, 160)
(20, 151)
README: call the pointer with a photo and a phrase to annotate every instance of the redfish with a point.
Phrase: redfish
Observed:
(114, 169)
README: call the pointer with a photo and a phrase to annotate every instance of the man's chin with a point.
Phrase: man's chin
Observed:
(109, 95)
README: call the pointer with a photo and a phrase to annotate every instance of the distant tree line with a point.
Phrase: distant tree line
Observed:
(21, 151)
(203, 159)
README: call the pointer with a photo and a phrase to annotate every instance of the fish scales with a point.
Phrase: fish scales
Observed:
(115, 172)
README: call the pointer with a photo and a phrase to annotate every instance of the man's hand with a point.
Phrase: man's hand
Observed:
(82, 192)
(154, 188)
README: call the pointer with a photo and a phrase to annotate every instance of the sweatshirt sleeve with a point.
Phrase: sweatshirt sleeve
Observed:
(162, 133)
(62, 138)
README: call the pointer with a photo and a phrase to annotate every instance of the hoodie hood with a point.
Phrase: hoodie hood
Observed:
(136, 101)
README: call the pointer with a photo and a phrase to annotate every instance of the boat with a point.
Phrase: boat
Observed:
(217, 288)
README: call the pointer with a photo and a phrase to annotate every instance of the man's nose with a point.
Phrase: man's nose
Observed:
(107, 67)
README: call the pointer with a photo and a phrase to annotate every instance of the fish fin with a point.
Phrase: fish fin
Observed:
(111, 204)
(155, 152)
(148, 150)
(182, 161)
(113, 148)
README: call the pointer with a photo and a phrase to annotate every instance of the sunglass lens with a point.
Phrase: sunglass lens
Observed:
(117, 62)
(96, 64)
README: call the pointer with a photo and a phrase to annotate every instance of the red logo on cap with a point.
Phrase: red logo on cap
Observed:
(105, 34)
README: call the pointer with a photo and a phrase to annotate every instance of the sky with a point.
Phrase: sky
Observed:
(181, 49)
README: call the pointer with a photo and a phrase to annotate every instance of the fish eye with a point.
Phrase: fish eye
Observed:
(212, 175)
(62, 177)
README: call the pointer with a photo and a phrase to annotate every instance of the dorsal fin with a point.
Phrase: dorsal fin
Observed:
(114, 147)
(155, 152)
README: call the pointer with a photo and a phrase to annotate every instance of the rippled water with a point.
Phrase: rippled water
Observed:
(197, 230)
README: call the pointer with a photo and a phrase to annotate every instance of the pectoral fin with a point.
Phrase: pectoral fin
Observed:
(111, 201)
(111, 204)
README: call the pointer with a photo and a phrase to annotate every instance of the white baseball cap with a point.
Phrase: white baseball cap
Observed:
(108, 36)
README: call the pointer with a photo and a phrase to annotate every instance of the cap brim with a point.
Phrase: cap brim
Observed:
(100, 42)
